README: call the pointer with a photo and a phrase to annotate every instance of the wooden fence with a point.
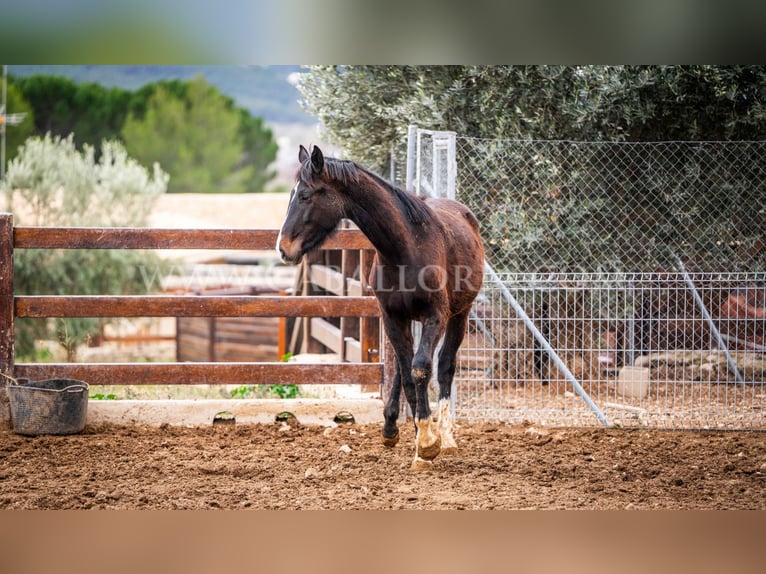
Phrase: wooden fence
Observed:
(339, 273)
(13, 306)
(217, 339)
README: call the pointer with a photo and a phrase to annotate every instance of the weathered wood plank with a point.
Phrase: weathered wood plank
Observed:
(327, 334)
(193, 350)
(6, 311)
(246, 324)
(146, 238)
(352, 350)
(198, 326)
(327, 278)
(193, 306)
(206, 373)
(369, 338)
(246, 352)
(247, 332)
(265, 338)
(6, 295)
(353, 287)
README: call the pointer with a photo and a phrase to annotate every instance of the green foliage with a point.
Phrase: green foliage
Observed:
(260, 151)
(285, 391)
(551, 204)
(103, 397)
(241, 392)
(199, 136)
(50, 183)
(216, 147)
(37, 355)
(282, 391)
(264, 91)
(255, 391)
(16, 134)
(92, 113)
(195, 140)
(366, 108)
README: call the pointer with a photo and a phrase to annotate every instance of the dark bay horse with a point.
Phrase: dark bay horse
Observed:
(428, 267)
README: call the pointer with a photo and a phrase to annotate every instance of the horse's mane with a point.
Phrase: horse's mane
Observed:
(412, 207)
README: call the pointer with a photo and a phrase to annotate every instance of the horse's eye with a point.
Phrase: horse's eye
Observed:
(304, 194)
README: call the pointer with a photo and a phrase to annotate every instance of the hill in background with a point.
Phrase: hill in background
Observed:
(265, 91)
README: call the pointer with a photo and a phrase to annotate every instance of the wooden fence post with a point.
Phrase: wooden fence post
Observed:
(6, 312)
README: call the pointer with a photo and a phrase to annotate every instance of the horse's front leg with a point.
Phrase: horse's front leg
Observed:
(427, 439)
(391, 410)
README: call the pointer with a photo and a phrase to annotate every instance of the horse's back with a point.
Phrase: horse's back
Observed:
(464, 250)
(460, 224)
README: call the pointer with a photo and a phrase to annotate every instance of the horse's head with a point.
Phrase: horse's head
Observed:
(314, 210)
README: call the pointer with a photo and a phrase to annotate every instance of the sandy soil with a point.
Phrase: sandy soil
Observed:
(282, 466)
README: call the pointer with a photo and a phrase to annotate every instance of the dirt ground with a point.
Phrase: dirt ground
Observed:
(283, 466)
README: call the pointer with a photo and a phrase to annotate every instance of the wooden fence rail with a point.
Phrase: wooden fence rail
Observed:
(145, 238)
(193, 306)
(13, 306)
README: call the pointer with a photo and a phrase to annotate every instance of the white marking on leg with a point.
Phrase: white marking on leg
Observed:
(449, 446)
(427, 441)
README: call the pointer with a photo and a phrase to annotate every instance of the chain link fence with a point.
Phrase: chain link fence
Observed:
(641, 266)
(639, 344)
(568, 206)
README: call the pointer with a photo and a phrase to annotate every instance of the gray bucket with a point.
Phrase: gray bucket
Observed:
(53, 406)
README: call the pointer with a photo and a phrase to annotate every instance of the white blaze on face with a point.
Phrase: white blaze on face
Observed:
(293, 195)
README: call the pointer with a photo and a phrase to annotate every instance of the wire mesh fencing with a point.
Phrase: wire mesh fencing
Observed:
(641, 267)
(640, 345)
(615, 206)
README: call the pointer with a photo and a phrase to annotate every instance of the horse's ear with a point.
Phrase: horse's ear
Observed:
(317, 160)
(303, 154)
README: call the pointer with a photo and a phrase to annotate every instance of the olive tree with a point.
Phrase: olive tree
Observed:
(51, 183)
(511, 118)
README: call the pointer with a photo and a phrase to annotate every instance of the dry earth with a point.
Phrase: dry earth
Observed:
(281, 466)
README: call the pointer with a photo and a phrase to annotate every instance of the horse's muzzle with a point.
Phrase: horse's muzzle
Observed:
(287, 259)
(288, 253)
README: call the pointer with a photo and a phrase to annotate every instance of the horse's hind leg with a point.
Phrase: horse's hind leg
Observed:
(447, 363)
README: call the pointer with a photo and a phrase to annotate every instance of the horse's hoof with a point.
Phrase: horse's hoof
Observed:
(430, 451)
(449, 446)
(420, 465)
(390, 442)
(428, 443)
(449, 451)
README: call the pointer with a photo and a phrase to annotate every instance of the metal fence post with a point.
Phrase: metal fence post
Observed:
(709, 320)
(412, 135)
